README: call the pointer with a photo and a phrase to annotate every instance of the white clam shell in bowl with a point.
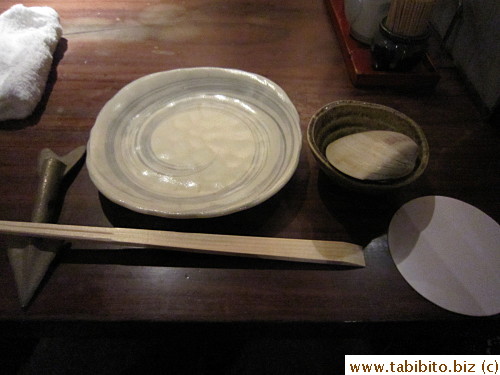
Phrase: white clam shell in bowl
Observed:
(195, 142)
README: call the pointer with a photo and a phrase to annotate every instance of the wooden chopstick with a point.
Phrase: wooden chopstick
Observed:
(298, 250)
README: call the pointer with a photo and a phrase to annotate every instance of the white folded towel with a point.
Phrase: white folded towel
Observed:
(28, 38)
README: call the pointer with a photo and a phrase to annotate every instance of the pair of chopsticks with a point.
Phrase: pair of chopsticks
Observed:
(298, 250)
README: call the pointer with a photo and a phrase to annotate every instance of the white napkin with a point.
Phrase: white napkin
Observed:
(28, 38)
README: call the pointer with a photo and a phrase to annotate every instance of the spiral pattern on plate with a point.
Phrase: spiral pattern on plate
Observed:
(198, 142)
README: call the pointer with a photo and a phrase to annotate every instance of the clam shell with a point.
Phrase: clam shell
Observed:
(374, 155)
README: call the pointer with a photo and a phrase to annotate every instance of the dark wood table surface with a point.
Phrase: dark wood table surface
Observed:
(107, 44)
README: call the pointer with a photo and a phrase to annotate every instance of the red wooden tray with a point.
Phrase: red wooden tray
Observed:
(358, 59)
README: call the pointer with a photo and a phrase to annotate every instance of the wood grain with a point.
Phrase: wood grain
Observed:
(106, 44)
(308, 251)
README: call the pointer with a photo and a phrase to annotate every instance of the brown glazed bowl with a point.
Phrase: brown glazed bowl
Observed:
(345, 117)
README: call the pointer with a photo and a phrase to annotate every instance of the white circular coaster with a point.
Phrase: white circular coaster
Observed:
(449, 252)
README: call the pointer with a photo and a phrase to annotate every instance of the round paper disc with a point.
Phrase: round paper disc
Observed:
(449, 252)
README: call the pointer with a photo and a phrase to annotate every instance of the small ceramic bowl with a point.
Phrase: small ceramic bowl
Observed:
(345, 117)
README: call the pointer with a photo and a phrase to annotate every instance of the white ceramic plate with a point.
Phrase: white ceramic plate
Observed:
(449, 252)
(196, 142)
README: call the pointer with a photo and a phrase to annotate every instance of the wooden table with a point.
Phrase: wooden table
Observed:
(107, 44)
